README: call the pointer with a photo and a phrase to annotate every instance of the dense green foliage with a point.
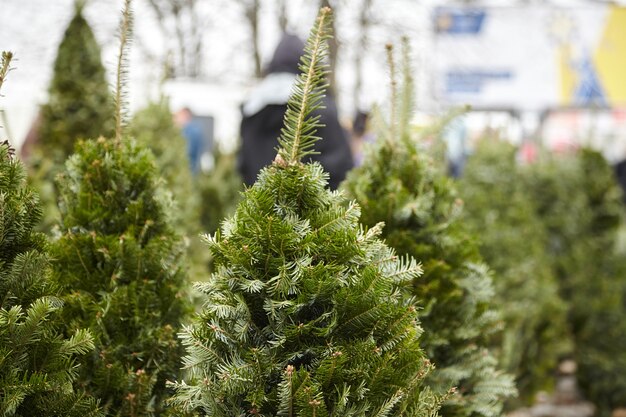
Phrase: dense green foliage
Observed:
(118, 261)
(38, 365)
(308, 312)
(79, 107)
(220, 191)
(153, 127)
(303, 316)
(559, 218)
(601, 337)
(79, 103)
(202, 202)
(398, 184)
(580, 205)
(501, 213)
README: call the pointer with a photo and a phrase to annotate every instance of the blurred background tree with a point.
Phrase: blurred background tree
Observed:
(79, 104)
(79, 107)
(580, 204)
(511, 238)
(400, 185)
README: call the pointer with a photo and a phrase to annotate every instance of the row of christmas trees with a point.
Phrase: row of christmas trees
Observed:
(551, 231)
(308, 312)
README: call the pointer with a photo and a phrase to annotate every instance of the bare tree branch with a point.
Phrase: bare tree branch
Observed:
(179, 20)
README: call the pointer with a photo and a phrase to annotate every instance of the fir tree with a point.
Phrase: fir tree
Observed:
(578, 199)
(600, 336)
(79, 104)
(119, 263)
(37, 365)
(303, 316)
(501, 213)
(79, 107)
(398, 184)
(580, 205)
(153, 128)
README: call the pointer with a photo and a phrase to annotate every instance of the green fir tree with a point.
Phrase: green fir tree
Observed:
(79, 107)
(580, 204)
(154, 128)
(502, 214)
(304, 314)
(37, 364)
(119, 262)
(400, 185)
(79, 103)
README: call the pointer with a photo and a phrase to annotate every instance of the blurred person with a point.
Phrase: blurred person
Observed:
(263, 114)
(360, 136)
(455, 137)
(192, 132)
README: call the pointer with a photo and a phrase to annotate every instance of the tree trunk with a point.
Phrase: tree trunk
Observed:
(252, 15)
(195, 67)
(283, 20)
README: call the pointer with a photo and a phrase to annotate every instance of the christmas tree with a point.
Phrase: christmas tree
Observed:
(304, 314)
(600, 336)
(79, 107)
(79, 103)
(154, 128)
(580, 204)
(578, 199)
(119, 263)
(400, 185)
(501, 213)
(38, 364)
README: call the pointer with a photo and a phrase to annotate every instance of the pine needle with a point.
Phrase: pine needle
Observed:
(5, 66)
(121, 102)
(297, 137)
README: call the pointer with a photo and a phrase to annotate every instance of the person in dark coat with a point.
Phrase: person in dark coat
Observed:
(263, 114)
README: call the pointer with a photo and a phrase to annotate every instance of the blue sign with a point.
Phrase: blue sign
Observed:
(459, 21)
(472, 81)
